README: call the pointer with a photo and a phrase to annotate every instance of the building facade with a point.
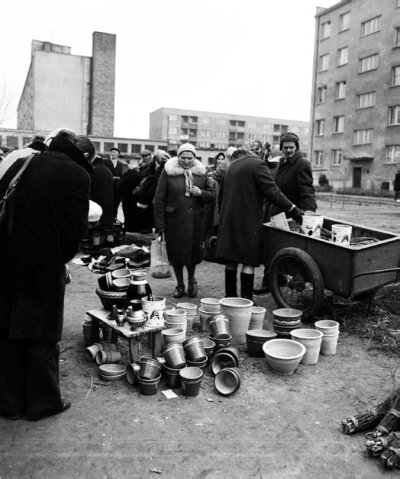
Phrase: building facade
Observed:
(74, 91)
(355, 108)
(211, 132)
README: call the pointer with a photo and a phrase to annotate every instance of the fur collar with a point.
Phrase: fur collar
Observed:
(172, 168)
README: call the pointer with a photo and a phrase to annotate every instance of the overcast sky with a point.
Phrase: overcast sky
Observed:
(249, 57)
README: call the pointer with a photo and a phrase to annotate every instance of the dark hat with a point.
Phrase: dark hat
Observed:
(116, 149)
(86, 146)
(289, 137)
(145, 153)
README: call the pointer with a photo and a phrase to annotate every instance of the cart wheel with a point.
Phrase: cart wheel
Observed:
(296, 281)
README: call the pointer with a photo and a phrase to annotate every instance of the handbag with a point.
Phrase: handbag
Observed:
(159, 264)
(210, 247)
(6, 217)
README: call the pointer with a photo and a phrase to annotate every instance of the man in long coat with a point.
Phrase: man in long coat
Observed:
(246, 184)
(49, 211)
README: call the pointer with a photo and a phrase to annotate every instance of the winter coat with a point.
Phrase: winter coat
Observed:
(119, 170)
(127, 193)
(247, 182)
(102, 192)
(182, 217)
(51, 206)
(294, 178)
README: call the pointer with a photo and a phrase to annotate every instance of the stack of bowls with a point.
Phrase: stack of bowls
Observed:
(176, 318)
(286, 320)
(191, 313)
(149, 376)
(208, 307)
(255, 338)
(111, 372)
(330, 331)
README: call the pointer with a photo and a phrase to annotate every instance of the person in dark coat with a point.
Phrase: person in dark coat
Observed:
(294, 178)
(246, 183)
(118, 168)
(179, 211)
(49, 211)
(396, 186)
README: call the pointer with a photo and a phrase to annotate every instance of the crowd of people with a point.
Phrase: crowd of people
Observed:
(172, 193)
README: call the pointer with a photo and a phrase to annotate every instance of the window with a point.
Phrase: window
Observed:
(318, 158)
(321, 94)
(343, 56)
(96, 145)
(221, 121)
(344, 22)
(336, 157)
(108, 146)
(362, 137)
(365, 100)
(394, 115)
(193, 119)
(250, 136)
(325, 30)
(149, 147)
(397, 37)
(205, 121)
(172, 130)
(370, 26)
(123, 147)
(205, 133)
(368, 63)
(392, 154)
(242, 124)
(340, 90)
(323, 62)
(338, 124)
(319, 126)
(220, 134)
(252, 124)
(172, 118)
(136, 148)
(204, 145)
(396, 76)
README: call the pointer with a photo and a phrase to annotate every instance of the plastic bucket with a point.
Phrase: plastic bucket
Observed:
(312, 225)
(311, 339)
(341, 234)
(238, 311)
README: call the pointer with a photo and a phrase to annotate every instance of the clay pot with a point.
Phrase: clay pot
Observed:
(149, 368)
(132, 372)
(191, 380)
(172, 377)
(149, 387)
(283, 355)
(227, 381)
(210, 305)
(218, 325)
(257, 317)
(311, 339)
(174, 356)
(204, 317)
(202, 363)
(222, 360)
(109, 357)
(238, 311)
(255, 339)
(91, 332)
(327, 326)
(91, 351)
(194, 349)
(223, 340)
(173, 335)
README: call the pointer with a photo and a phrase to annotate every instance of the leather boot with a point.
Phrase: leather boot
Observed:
(230, 283)
(246, 285)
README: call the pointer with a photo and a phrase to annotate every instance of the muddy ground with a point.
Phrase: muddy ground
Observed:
(272, 427)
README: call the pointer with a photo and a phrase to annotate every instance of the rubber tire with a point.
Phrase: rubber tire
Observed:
(304, 260)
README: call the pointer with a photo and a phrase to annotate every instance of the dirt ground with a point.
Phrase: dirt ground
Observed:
(272, 427)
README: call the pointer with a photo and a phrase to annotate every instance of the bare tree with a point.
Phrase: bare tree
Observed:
(5, 102)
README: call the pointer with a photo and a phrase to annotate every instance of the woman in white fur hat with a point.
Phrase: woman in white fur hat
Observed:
(179, 211)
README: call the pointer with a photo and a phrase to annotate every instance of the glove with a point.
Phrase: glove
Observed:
(296, 214)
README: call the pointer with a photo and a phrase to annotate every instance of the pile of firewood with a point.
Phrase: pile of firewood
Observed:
(384, 440)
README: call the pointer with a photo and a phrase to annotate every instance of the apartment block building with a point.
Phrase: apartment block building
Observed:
(211, 132)
(70, 90)
(355, 109)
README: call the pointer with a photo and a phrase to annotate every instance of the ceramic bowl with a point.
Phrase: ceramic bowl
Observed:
(111, 369)
(283, 355)
(121, 273)
(121, 284)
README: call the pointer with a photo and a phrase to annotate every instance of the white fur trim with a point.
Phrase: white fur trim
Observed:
(172, 168)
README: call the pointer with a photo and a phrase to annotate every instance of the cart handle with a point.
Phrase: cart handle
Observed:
(378, 271)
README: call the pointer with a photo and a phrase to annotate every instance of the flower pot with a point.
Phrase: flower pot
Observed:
(91, 332)
(108, 357)
(218, 325)
(174, 356)
(255, 339)
(194, 348)
(227, 381)
(283, 355)
(201, 363)
(149, 368)
(238, 311)
(327, 326)
(132, 372)
(172, 377)
(210, 305)
(329, 344)
(173, 335)
(311, 339)
(204, 317)
(149, 387)
(222, 360)
(191, 378)
(257, 317)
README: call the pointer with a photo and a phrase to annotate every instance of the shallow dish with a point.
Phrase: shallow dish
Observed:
(112, 378)
(121, 284)
(111, 369)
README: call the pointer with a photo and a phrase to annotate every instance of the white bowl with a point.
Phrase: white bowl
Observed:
(283, 355)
